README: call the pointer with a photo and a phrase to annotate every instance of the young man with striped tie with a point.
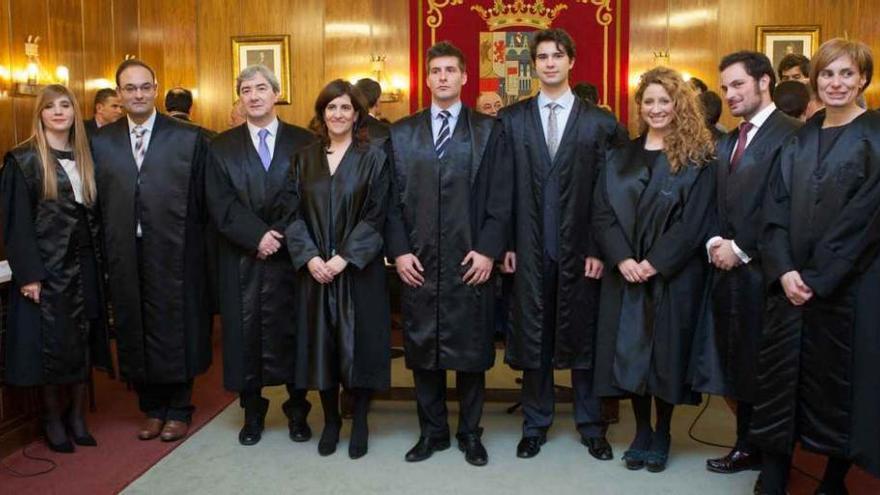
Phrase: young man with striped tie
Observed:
(447, 225)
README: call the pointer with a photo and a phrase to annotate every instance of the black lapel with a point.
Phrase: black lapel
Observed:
(158, 138)
(280, 165)
(624, 185)
(122, 138)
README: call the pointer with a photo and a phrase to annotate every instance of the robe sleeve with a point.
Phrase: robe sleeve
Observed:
(854, 231)
(492, 238)
(396, 239)
(775, 242)
(19, 232)
(678, 245)
(300, 244)
(364, 242)
(607, 232)
(234, 220)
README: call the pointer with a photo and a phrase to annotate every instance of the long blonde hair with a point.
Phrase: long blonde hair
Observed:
(78, 138)
(689, 140)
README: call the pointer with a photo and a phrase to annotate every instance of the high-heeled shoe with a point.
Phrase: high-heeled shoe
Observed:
(65, 447)
(86, 440)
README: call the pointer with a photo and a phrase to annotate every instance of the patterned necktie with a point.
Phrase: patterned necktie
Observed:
(744, 129)
(552, 129)
(140, 148)
(263, 149)
(445, 135)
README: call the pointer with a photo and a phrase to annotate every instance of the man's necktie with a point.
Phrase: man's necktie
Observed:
(263, 149)
(552, 129)
(140, 148)
(744, 129)
(445, 134)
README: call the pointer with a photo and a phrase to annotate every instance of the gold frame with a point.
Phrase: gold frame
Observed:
(763, 32)
(281, 43)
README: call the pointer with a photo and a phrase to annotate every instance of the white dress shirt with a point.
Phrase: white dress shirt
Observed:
(148, 125)
(757, 121)
(73, 176)
(437, 122)
(270, 139)
(565, 102)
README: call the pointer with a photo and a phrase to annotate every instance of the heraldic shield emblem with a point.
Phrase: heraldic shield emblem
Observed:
(506, 66)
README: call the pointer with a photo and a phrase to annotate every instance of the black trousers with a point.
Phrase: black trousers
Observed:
(431, 399)
(296, 407)
(166, 401)
(538, 393)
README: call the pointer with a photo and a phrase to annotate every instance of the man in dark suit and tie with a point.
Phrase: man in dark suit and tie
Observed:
(556, 143)
(248, 169)
(745, 159)
(149, 169)
(108, 109)
(447, 224)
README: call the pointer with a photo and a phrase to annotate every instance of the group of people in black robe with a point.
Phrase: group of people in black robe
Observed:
(655, 269)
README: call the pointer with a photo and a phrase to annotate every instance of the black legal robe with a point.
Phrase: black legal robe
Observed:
(588, 133)
(727, 364)
(819, 364)
(440, 209)
(377, 130)
(256, 296)
(646, 331)
(344, 327)
(51, 342)
(162, 313)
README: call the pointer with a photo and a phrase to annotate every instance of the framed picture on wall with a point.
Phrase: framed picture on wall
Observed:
(272, 51)
(779, 41)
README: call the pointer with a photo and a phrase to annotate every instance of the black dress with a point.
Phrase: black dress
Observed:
(818, 369)
(343, 329)
(644, 211)
(56, 243)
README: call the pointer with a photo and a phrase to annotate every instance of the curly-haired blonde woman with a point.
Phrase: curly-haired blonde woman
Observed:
(653, 208)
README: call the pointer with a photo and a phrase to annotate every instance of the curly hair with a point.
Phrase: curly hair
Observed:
(689, 140)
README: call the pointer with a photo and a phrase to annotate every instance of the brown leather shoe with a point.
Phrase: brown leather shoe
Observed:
(174, 430)
(734, 462)
(150, 428)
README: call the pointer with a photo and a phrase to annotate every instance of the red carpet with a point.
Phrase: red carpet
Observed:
(858, 482)
(120, 457)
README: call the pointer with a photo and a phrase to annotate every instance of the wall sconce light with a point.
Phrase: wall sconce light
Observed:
(391, 92)
(32, 79)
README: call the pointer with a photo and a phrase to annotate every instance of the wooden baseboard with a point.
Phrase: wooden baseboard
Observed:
(18, 435)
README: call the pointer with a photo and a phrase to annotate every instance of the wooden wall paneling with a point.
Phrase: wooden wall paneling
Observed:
(348, 39)
(216, 22)
(8, 137)
(390, 19)
(28, 17)
(179, 46)
(99, 61)
(125, 30)
(65, 43)
(303, 20)
(152, 20)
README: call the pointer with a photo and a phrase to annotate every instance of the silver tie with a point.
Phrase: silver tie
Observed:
(552, 129)
(139, 149)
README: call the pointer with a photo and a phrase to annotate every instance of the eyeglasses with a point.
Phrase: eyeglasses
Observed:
(131, 89)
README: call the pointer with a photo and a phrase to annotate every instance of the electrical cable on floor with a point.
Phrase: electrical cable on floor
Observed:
(18, 474)
(721, 446)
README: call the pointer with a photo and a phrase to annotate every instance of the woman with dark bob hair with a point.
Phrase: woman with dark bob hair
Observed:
(819, 361)
(56, 323)
(340, 186)
(652, 213)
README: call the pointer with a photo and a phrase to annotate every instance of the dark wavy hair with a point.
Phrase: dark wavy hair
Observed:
(331, 91)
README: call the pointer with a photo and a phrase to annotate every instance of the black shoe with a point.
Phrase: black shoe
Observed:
(86, 439)
(357, 444)
(329, 438)
(599, 448)
(425, 448)
(297, 425)
(529, 447)
(735, 461)
(634, 459)
(474, 452)
(63, 447)
(250, 433)
(655, 460)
